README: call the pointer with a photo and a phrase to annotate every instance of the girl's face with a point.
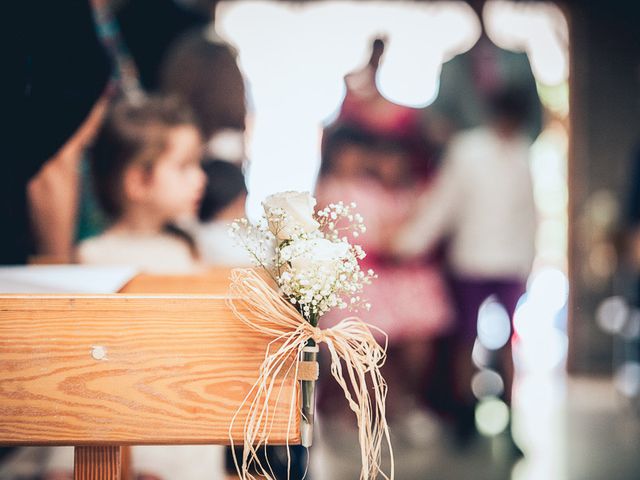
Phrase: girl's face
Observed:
(392, 167)
(177, 181)
(350, 161)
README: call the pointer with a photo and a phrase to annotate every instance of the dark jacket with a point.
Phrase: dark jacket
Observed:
(54, 70)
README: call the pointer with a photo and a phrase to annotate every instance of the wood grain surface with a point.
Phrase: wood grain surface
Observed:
(98, 463)
(211, 281)
(128, 370)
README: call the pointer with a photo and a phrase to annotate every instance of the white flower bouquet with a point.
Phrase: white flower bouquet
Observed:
(308, 253)
(315, 268)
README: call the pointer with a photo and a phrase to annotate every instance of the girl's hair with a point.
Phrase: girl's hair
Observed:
(225, 183)
(336, 138)
(133, 133)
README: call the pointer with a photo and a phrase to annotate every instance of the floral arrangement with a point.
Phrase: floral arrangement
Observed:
(314, 268)
(308, 253)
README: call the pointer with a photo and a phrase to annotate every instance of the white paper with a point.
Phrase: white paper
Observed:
(64, 278)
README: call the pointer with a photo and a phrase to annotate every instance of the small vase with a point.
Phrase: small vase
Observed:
(308, 388)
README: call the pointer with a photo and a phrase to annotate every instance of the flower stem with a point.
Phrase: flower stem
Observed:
(308, 387)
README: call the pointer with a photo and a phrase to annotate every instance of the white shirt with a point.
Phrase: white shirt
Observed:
(217, 247)
(483, 199)
(159, 253)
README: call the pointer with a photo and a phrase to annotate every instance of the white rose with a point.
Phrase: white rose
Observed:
(316, 255)
(298, 208)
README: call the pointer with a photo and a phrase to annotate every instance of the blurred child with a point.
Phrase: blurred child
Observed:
(483, 201)
(224, 200)
(147, 175)
(408, 300)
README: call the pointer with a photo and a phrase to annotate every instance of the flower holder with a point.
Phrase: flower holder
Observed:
(308, 375)
(308, 267)
(356, 359)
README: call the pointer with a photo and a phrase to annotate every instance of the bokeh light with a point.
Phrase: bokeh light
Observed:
(480, 355)
(549, 288)
(627, 379)
(544, 350)
(631, 329)
(612, 313)
(542, 342)
(492, 416)
(487, 383)
(494, 326)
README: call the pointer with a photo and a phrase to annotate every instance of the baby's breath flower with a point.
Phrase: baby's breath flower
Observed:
(316, 269)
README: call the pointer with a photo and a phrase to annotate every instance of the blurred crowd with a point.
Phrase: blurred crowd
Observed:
(129, 149)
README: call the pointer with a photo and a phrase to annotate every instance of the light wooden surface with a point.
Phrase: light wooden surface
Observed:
(212, 281)
(127, 370)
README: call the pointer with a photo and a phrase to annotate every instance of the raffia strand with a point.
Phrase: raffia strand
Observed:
(356, 358)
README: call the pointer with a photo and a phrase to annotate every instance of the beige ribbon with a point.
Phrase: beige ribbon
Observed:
(356, 359)
(309, 371)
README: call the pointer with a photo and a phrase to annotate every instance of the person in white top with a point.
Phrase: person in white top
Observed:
(482, 203)
(224, 200)
(147, 174)
(483, 199)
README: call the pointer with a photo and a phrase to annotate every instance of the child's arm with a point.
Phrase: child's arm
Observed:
(433, 216)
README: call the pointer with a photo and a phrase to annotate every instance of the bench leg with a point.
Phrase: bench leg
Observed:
(125, 462)
(101, 463)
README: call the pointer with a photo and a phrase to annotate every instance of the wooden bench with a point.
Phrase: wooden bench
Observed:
(101, 372)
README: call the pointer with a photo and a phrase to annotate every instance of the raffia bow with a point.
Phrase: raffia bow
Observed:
(350, 342)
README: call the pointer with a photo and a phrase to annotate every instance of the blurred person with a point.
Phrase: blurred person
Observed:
(409, 299)
(147, 174)
(181, 54)
(345, 156)
(89, 219)
(150, 27)
(364, 106)
(146, 167)
(483, 202)
(201, 68)
(53, 194)
(377, 154)
(224, 200)
(55, 71)
(52, 78)
(468, 82)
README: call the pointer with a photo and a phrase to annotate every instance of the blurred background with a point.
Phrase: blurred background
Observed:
(396, 105)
